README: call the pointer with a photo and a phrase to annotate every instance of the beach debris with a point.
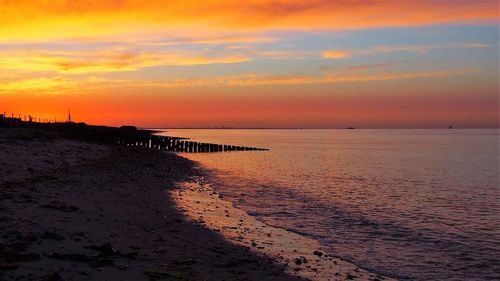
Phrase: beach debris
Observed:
(300, 260)
(318, 253)
(60, 206)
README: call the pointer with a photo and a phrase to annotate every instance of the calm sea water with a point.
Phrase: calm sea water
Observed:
(416, 204)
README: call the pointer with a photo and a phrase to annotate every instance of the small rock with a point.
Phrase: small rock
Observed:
(318, 253)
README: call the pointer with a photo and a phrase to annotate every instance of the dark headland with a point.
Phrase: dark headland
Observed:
(74, 207)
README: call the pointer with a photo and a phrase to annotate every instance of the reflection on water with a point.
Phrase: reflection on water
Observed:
(421, 204)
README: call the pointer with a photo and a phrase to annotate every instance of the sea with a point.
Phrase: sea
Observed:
(415, 204)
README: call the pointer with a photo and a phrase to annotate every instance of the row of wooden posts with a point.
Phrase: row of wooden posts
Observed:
(125, 136)
(180, 145)
(17, 119)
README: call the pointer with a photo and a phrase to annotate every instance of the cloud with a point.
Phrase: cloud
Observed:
(40, 85)
(206, 40)
(378, 66)
(420, 48)
(63, 85)
(338, 54)
(113, 60)
(260, 80)
(281, 55)
(39, 20)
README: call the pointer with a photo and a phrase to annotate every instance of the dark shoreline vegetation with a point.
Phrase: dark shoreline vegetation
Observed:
(73, 207)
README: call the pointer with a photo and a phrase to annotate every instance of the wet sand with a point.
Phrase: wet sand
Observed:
(72, 210)
(302, 257)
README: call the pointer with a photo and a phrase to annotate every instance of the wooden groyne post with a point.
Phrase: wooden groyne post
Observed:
(124, 136)
(176, 144)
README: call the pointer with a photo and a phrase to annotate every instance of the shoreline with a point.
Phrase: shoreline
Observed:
(73, 210)
(301, 256)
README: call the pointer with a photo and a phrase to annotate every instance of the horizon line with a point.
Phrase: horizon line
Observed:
(299, 128)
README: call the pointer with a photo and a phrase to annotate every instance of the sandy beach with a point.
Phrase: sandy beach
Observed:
(72, 210)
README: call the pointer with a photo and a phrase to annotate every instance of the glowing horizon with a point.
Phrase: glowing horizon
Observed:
(296, 63)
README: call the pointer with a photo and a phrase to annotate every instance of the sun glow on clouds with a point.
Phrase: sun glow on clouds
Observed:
(40, 85)
(122, 59)
(340, 54)
(336, 54)
(103, 61)
(69, 19)
(62, 47)
(63, 85)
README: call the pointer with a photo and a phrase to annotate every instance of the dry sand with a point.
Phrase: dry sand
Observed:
(77, 211)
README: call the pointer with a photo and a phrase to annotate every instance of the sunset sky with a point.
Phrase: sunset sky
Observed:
(256, 63)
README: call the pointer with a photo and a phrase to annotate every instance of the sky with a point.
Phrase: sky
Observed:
(254, 63)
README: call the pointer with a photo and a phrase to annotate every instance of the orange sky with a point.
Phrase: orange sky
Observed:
(316, 63)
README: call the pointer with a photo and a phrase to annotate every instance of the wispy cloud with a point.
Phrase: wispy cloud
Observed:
(39, 20)
(278, 55)
(377, 66)
(207, 40)
(57, 85)
(104, 60)
(336, 54)
(339, 54)
(259, 80)
(420, 48)
(61, 85)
